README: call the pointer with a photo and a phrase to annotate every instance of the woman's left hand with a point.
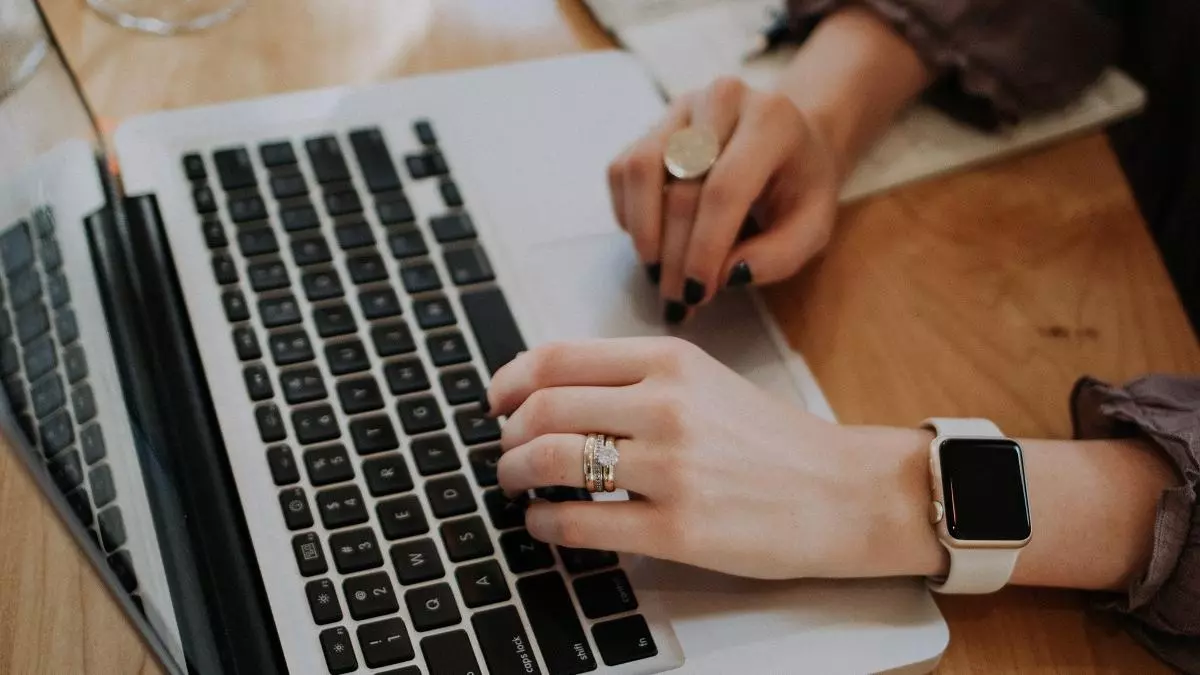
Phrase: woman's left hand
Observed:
(721, 475)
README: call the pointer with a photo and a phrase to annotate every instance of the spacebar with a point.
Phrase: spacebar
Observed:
(555, 624)
(494, 327)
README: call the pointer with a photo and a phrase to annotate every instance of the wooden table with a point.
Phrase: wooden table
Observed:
(986, 293)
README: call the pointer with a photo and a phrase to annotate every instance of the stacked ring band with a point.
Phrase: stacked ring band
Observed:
(600, 457)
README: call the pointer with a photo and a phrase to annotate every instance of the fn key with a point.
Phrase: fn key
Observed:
(624, 640)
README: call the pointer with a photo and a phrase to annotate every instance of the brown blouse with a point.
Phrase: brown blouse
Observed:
(996, 61)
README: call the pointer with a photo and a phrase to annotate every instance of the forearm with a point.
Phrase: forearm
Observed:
(851, 77)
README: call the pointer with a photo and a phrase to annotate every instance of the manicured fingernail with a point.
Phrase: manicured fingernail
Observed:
(675, 312)
(740, 275)
(654, 272)
(693, 292)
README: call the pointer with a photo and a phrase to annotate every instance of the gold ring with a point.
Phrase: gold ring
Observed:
(590, 476)
(607, 456)
(691, 152)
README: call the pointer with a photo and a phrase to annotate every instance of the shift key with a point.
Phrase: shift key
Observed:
(555, 624)
(506, 647)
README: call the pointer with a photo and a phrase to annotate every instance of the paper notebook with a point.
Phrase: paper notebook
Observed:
(685, 44)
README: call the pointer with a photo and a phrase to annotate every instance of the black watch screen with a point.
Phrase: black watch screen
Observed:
(983, 484)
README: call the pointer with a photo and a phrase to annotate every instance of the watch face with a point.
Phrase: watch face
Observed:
(983, 484)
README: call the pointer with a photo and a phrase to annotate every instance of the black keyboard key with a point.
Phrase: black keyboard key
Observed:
(560, 493)
(370, 595)
(47, 395)
(385, 643)
(326, 156)
(83, 402)
(193, 167)
(392, 338)
(290, 347)
(450, 654)
(462, 385)
(247, 209)
(121, 564)
(257, 241)
(452, 227)
(424, 131)
(277, 154)
(32, 322)
(448, 348)
(321, 285)
(43, 223)
(91, 441)
(435, 454)
(347, 357)
(67, 470)
(387, 475)
(310, 251)
(295, 509)
(316, 424)
(417, 561)
(359, 394)
(235, 306)
(51, 255)
(354, 235)
(355, 550)
(40, 358)
(624, 640)
(302, 385)
(401, 517)
(366, 268)
(395, 211)
(268, 275)
(407, 243)
(310, 558)
(333, 320)
(234, 168)
(483, 464)
(270, 423)
(16, 248)
(494, 326)
(15, 388)
(482, 584)
(280, 311)
(475, 427)
(343, 202)
(432, 607)
(57, 432)
(10, 359)
(25, 287)
(328, 464)
(66, 327)
(202, 198)
(379, 303)
(338, 650)
(258, 384)
(428, 164)
(112, 529)
(555, 624)
(26, 424)
(5, 324)
(605, 594)
(406, 376)
(323, 602)
(506, 647)
(81, 505)
(341, 506)
(505, 513)
(450, 194)
(224, 269)
(288, 185)
(524, 553)
(580, 560)
(420, 277)
(375, 160)
(450, 496)
(433, 312)
(103, 488)
(283, 465)
(466, 539)
(372, 434)
(469, 266)
(299, 218)
(246, 343)
(419, 415)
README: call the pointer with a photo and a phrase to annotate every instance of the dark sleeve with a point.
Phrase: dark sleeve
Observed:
(1162, 607)
(996, 61)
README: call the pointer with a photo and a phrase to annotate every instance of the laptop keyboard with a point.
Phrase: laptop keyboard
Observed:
(46, 378)
(366, 394)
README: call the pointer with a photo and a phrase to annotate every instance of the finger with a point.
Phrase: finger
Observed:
(597, 363)
(642, 182)
(627, 527)
(778, 253)
(557, 460)
(680, 201)
(616, 411)
(616, 188)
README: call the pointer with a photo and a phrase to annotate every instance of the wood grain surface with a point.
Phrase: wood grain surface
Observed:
(984, 293)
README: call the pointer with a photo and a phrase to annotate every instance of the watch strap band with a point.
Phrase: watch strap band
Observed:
(963, 426)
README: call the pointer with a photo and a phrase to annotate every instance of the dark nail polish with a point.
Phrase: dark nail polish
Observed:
(693, 292)
(740, 275)
(485, 406)
(675, 312)
(654, 272)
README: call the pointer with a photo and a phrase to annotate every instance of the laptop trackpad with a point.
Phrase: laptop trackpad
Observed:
(594, 286)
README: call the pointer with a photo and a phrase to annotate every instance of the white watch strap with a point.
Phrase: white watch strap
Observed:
(963, 426)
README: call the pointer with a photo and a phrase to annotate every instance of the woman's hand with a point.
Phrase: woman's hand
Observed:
(721, 475)
(775, 164)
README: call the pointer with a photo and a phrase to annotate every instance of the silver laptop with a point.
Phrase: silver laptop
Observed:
(248, 373)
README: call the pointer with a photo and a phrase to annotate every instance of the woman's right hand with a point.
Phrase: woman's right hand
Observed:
(775, 164)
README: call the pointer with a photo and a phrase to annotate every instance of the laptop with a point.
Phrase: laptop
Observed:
(245, 370)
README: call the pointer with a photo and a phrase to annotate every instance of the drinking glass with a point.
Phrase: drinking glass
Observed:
(22, 43)
(166, 17)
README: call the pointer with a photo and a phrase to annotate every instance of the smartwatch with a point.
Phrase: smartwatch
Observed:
(980, 505)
